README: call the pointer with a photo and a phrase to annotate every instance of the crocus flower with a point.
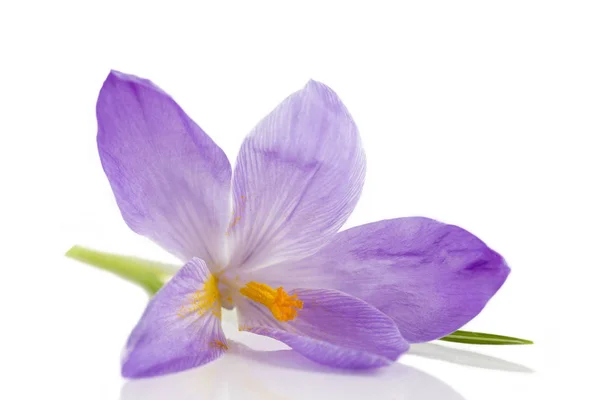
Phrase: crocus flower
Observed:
(264, 239)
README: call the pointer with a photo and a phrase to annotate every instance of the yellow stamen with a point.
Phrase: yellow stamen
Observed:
(283, 306)
(203, 300)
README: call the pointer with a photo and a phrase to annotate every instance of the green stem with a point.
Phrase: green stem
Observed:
(150, 275)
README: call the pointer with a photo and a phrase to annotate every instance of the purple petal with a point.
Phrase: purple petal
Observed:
(170, 180)
(429, 277)
(332, 328)
(181, 327)
(298, 177)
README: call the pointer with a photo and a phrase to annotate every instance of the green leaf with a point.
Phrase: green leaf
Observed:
(150, 275)
(483, 338)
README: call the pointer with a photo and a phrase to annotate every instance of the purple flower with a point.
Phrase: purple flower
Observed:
(264, 240)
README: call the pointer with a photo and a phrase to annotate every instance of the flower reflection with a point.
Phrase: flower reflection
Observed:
(246, 373)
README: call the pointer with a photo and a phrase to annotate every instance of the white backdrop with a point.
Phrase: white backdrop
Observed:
(480, 114)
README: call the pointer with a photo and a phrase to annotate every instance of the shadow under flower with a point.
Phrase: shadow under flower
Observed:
(245, 373)
(465, 357)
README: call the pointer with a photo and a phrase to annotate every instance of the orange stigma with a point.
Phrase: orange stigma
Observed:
(283, 306)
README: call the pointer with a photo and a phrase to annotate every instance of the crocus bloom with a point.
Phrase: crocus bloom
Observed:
(264, 239)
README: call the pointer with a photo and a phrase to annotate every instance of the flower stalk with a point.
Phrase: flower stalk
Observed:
(150, 275)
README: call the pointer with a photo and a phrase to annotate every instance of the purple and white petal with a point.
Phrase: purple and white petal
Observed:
(429, 277)
(332, 328)
(170, 180)
(181, 327)
(298, 176)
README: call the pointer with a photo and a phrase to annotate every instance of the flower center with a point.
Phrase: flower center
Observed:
(283, 306)
(203, 300)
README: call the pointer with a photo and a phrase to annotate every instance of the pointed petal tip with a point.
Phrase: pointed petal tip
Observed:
(127, 372)
(130, 370)
(314, 83)
(325, 95)
(497, 268)
(322, 89)
(114, 73)
(115, 77)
